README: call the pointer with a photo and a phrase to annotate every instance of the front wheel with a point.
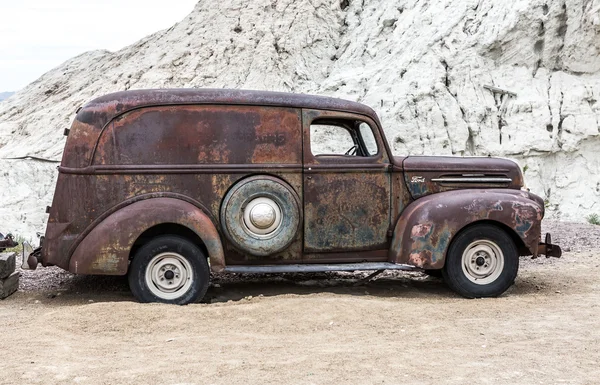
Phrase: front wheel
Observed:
(169, 269)
(482, 261)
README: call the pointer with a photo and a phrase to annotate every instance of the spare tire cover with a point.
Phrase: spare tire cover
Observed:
(260, 215)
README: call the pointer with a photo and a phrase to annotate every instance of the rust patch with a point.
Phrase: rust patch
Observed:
(420, 259)
(106, 262)
(420, 230)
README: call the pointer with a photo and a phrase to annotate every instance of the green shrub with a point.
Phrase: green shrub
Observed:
(594, 219)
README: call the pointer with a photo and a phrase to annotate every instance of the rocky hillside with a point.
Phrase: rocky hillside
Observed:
(518, 78)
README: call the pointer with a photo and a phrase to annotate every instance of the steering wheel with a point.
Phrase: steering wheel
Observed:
(352, 150)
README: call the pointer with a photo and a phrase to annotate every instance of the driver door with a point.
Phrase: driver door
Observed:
(346, 188)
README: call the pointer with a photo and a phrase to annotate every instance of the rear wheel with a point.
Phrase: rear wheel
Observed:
(482, 261)
(169, 269)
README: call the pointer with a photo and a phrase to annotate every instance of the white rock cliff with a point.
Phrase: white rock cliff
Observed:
(422, 65)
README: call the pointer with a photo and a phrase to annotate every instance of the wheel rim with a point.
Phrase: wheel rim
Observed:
(169, 275)
(482, 262)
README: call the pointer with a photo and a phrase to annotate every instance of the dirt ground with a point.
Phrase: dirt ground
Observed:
(318, 328)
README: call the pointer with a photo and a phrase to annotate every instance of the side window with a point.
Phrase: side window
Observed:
(329, 139)
(343, 137)
(366, 133)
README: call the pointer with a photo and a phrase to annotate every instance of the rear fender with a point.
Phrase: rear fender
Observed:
(106, 249)
(426, 227)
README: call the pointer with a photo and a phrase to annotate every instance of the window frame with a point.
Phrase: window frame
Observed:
(352, 126)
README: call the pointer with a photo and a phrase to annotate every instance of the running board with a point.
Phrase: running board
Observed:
(318, 268)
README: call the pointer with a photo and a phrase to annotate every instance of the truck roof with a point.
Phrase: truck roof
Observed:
(116, 103)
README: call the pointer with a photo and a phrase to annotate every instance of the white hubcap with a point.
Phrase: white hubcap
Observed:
(169, 275)
(262, 216)
(482, 262)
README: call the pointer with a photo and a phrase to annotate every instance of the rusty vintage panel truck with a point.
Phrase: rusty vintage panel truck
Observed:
(169, 185)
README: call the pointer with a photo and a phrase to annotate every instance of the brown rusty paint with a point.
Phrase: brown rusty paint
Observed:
(346, 198)
(106, 249)
(194, 145)
(348, 256)
(420, 173)
(97, 115)
(337, 217)
(198, 146)
(7, 242)
(195, 135)
(427, 226)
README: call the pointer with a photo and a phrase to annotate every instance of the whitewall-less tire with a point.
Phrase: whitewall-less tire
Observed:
(169, 269)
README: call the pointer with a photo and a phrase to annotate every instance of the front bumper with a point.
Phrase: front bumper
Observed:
(548, 249)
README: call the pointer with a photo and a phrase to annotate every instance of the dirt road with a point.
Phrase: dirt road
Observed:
(321, 329)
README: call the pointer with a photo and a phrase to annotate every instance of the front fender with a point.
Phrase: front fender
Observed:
(106, 249)
(427, 226)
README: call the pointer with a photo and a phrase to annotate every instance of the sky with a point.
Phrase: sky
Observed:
(38, 35)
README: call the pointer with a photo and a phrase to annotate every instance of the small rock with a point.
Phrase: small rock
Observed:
(9, 285)
(170, 340)
(389, 22)
(216, 285)
(7, 264)
(248, 298)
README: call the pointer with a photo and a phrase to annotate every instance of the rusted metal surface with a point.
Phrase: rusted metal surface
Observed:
(427, 226)
(548, 249)
(106, 249)
(186, 149)
(426, 175)
(99, 113)
(319, 267)
(7, 242)
(197, 135)
(195, 151)
(346, 198)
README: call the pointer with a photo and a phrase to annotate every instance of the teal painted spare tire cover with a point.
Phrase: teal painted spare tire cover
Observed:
(261, 215)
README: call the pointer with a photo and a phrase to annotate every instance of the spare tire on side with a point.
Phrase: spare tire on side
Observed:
(260, 215)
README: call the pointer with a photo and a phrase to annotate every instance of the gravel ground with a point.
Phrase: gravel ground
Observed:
(314, 328)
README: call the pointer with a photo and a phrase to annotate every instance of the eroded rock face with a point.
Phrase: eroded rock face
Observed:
(421, 65)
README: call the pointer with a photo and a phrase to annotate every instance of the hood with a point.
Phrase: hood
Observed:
(426, 175)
